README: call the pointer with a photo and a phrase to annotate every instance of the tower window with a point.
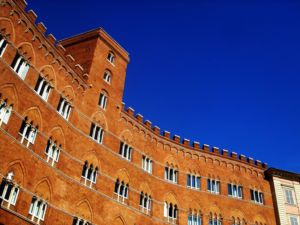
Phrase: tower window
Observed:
(194, 218)
(111, 57)
(96, 133)
(9, 191)
(193, 181)
(257, 196)
(235, 191)
(37, 209)
(43, 88)
(170, 212)
(102, 100)
(20, 66)
(145, 203)
(64, 108)
(107, 77)
(171, 174)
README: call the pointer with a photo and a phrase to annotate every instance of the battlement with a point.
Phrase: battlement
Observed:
(194, 145)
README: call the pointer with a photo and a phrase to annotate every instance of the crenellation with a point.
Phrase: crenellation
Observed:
(250, 161)
(51, 39)
(234, 155)
(196, 145)
(176, 138)
(139, 117)
(130, 112)
(156, 130)
(225, 152)
(216, 150)
(258, 164)
(243, 158)
(41, 27)
(32, 16)
(206, 148)
(166, 134)
(186, 142)
(148, 123)
(22, 4)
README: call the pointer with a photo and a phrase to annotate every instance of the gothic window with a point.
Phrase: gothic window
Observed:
(111, 57)
(107, 77)
(257, 196)
(214, 219)
(64, 108)
(121, 190)
(20, 66)
(145, 203)
(78, 221)
(193, 181)
(125, 151)
(194, 218)
(52, 152)
(5, 111)
(147, 164)
(27, 132)
(89, 174)
(102, 100)
(235, 191)
(213, 186)
(37, 209)
(43, 88)
(170, 212)
(9, 190)
(96, 133)
(171, 174)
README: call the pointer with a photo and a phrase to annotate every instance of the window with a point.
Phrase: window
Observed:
(147, 164)
(89, 174)
(294, 220)
(27, 132)
(235, 191)
(170, 212)
(193, 181)
(9, 191)
(78, 221)
(194, 218)
(238, 221)
(107, 77)
(64, 108)
(171, 174)
(3, 44)
(125, 151)
(257, 196)
(96, 133)
(289, 195)
(111, 57)
(20, 66)
(145, 203)
(213, 186)
(52, 151)
(121, 190)
(5, 111)
(37, 209)
(215, 219)
(102, 100)
(43, 88)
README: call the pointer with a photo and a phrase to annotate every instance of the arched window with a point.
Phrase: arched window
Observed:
(170, 212)
(37, 209)
(213, 186)
(64, 108)
(89, 174)
(145, 203)
(235, 191)
(5, 111)
(147, 164)
(9, 191)
(3, 44)
(79, 221)
(107, 77)
(121, 191)
(102, 100)
(193, 181)
(27, 132)
(215, 219)
(125, 151)
(96, 133)
(194, 218)
(20, 66)
(52, 151)
(171, 174)
(43, 88)
(111, 57)
(257, 196)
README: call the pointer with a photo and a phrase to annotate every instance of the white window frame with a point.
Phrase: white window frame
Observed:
(80, 221)
(21, 66)
(289, 195)
(147, 164)
(194, 219)
(43, 88)
(5, 112)
(145, 203)
(30, 138)
(52, 152)
(214, 186)
(235, 190)
(174, 213)
(107, 77)
(93, 177)
(12, 195)
(125, 151)
(171, 174)
(103, 100)
(196, 178)
(96, 133)
(111, 58)
(64, 108)
(122, 194)
(3, 45)
(37, 209)
(293, 218)
(258, 197)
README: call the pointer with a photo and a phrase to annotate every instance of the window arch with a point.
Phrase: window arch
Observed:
(52, 151)
(171, 173)
(107, 76)
(145, 203)
(215, 219)
(103, 99)
(28, 132)
(170, 212)
(9, 190)
(194, 217)
(89, 174)
(111, 57)
(121, 190)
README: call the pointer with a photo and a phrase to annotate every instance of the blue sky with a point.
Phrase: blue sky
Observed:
(224, 73)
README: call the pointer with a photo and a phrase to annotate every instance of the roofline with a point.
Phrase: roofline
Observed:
(273, 172)
(97, 32)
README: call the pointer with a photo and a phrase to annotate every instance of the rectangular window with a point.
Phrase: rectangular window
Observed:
(289, 195)
(43, 88)
(9, 193)
(102, 101)
(37, 209)
(257, 196)
(20, 66)
(64, 108)
(293, 219)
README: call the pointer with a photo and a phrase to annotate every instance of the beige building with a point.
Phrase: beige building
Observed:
(286, 191)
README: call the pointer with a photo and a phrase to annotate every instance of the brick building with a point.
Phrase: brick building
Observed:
(72, 153)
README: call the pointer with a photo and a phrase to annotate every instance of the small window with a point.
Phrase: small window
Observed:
(213, 186)
(102, 100)
(215, 220)
(9, 191)
(147, 164)
(294, 220)
(235, 191)
(89, 174)
(171, 174)
(5, 111)
(43, 88)
(111, 57)
(37, 209)
(170, 212)
(145, 203)
(289, 195)
(20, 66)
(3, 44)
(257, 196)
(96, 133)
(78, 221)
(52, 152)
(193, 181)
(107, 77)
(121, 190)
(194, 218)
(27, 132)
(64, 108)
(125, 151)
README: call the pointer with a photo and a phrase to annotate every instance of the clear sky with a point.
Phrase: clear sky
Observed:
(224, 73)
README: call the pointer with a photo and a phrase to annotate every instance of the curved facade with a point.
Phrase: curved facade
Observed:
(71, 153)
